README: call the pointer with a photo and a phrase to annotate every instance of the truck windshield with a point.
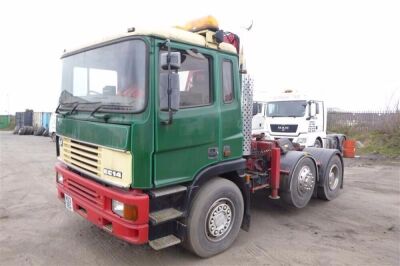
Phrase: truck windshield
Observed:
(113, 76)
(286, 109)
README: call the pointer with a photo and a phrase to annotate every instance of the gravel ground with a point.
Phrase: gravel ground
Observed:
(360, 227)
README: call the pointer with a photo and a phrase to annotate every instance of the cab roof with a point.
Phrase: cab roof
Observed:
(174, 34)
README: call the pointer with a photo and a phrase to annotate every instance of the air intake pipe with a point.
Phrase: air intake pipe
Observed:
(247, 112)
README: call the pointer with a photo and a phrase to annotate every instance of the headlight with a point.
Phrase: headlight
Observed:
(301, 140)
(60, 178)
(124, 210)
(118, 207)
(60, 141)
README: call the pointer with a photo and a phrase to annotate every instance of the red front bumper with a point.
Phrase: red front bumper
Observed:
(93, 202)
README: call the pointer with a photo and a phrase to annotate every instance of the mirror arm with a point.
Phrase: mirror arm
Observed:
(169, 91)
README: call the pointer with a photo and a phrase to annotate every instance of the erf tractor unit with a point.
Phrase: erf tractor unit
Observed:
(154, 141)
(294, 116)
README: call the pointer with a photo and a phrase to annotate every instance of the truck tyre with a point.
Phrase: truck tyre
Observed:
(215, 218)
(317, 143)
(53, 136)
(302, 184)
(333, 179)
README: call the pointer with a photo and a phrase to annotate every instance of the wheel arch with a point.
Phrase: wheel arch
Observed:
(320, 140)
(289, 162)
(232, 170)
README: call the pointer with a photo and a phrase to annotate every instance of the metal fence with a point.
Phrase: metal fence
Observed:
(364, 120)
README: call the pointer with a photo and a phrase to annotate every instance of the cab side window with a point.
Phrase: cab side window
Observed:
(194, 79)
(227, 81)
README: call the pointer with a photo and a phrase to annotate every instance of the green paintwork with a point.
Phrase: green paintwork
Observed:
(108, 135)
(181, 149)
(168, 154)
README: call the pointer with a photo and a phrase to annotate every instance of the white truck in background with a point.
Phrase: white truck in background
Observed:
(299, 118)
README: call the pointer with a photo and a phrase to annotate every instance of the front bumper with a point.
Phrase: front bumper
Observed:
(93, 202)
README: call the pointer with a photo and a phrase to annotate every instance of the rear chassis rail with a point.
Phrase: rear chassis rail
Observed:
(272, 162)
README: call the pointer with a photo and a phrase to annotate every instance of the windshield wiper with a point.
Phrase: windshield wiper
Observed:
(64, 113)
(76, 104)
(107, 115)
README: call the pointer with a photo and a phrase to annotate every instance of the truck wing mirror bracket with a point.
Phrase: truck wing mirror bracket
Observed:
(169, 82)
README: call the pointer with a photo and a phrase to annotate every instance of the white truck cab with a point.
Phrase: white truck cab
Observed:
(291, 115)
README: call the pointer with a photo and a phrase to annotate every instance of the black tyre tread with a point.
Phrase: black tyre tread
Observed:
(208, 193)
(324, 192)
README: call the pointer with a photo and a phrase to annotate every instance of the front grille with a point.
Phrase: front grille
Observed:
(105, 164)
(82, 155)
(284, 128)
(87, 193)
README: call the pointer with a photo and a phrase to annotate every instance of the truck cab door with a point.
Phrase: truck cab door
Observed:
(319, 117)
(229, 100)
(190, 142)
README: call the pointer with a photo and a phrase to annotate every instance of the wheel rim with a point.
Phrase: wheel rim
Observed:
(333, 177)
(219, 219)
(306, 180)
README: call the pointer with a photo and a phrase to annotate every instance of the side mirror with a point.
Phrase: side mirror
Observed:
(317, 108)
(174, 60)
(169, 83)
(175, 92)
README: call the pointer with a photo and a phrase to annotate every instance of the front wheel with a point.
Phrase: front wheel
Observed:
(215, 218)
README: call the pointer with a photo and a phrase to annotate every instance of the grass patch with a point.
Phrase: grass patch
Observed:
(384, 142)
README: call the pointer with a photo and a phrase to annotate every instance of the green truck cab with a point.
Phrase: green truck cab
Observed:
(150, 142)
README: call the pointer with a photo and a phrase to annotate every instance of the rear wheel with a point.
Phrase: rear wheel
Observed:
(215, 218)
(318, 143)
(332, 180)
(302, 184)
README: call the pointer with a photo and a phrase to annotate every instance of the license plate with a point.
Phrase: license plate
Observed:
(68, 203)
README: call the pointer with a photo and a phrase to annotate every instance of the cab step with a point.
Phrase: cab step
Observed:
(164, 215)
(164, 242)
(167, 191)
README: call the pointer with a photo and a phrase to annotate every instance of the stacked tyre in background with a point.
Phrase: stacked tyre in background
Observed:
(24, 123)
(32, 123)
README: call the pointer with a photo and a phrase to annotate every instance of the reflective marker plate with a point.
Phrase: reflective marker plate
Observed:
(68, 203)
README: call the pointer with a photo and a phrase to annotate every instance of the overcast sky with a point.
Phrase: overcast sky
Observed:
(345, 52)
